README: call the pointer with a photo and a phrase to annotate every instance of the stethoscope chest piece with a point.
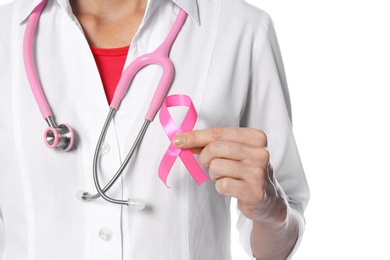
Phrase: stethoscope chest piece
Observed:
(59, 137)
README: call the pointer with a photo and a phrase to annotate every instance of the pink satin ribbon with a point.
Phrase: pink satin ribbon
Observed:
(171, 130)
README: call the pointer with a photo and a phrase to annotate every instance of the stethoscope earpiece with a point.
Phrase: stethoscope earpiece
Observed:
(136, 204)
(61, 137)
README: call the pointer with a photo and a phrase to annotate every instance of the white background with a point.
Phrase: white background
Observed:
(337, 59)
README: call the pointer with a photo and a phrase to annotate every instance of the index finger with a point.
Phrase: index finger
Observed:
(201, 138)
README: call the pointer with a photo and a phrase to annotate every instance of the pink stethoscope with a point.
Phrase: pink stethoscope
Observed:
(62, 136)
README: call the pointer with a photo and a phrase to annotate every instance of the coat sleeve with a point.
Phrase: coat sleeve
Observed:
(5, 30)
(268, 108)
(2, 235)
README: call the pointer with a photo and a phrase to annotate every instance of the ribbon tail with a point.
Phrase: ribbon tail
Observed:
(165, 166)
(193, 167)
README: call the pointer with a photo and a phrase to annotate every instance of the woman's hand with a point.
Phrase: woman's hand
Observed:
(239, 162)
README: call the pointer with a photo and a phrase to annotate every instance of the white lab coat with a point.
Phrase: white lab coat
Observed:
(227, 60)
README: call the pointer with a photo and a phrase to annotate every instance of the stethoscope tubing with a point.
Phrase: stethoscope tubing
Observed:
(158, 57)
(29, 61)
(61, 136)
(101, 191)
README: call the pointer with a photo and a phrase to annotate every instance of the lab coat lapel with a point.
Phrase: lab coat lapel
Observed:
(88, 88)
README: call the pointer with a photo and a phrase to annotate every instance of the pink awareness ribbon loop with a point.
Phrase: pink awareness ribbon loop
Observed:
(171, 130)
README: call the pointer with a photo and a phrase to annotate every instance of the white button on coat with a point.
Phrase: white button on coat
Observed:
(104, 148)
(105, 234)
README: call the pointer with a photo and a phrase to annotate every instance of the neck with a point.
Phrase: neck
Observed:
(107, 7)
(109, 23)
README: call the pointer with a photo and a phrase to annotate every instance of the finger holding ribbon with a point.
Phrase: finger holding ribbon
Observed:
(238, 162)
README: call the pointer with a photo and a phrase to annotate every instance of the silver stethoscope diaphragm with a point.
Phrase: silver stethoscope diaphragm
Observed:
(61, 136)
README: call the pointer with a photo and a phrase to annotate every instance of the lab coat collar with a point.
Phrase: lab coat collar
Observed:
(27, 6)
(191, 8)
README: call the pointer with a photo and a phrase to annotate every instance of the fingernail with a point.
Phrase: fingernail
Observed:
(179, 140)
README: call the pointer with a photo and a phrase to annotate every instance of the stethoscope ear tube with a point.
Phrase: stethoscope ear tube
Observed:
(159, 57)
(29, 60)
(132, 203)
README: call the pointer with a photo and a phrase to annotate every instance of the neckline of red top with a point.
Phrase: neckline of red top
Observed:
(120, 51)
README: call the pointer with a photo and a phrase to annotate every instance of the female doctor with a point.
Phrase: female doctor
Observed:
(226, 62)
